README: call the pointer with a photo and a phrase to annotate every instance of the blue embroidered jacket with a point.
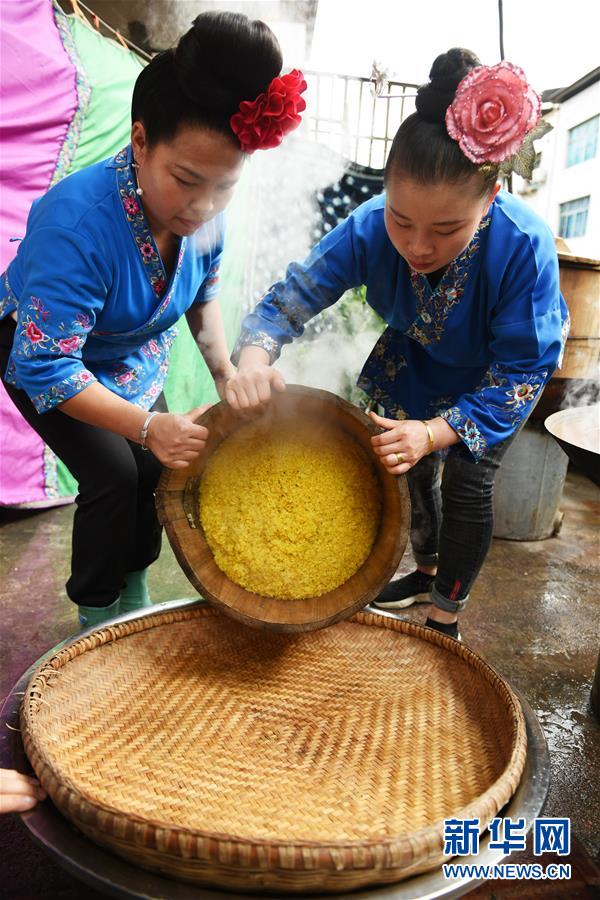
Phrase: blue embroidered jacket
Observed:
(91, 293)
(476, 350)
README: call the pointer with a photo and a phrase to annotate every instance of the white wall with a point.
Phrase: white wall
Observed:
(563, 183)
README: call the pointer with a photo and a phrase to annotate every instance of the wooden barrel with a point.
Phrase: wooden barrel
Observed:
(576, 382)
(177, 505)
(580, 286)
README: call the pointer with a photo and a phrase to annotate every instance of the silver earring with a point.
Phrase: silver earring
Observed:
(139, 191)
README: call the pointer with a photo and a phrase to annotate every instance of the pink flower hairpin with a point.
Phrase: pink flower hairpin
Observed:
(494, 115)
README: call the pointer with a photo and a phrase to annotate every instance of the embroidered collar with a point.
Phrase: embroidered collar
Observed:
(138, 223)
(435, 304)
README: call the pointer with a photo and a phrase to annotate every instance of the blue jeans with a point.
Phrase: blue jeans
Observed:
(453, 519)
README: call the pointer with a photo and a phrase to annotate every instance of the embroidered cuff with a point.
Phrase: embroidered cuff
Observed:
(64, 390)
(467, 431)
(256, 339)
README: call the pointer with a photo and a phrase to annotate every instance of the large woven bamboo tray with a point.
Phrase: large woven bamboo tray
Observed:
(320, 761)
(177, 505)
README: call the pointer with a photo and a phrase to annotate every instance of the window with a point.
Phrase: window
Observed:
(573, 217)
(583, 141)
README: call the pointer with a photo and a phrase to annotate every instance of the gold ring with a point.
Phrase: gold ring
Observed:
(400, 458)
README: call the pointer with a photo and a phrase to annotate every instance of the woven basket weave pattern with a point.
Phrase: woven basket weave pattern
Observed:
(313, 761)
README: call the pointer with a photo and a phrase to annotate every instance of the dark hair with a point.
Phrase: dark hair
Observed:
(223, 59)
(422, 148)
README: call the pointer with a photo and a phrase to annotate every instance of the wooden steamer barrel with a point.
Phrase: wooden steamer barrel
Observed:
(177, 504)
(534, 469)
(577, 377)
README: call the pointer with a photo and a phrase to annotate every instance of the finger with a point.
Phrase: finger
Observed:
(186, 454)
(387, 449)
(395, 459)
(243, 401)
(16, 802)
(181, 452)
(197, 412)
(264, 391)
(277, 380)
(192, 443)
(14, 782)
(396, 468)
(231, 397)
(176, 464)
(197, 433)
(386, 438)
(383, 423)
(236, 395)
(252, 394)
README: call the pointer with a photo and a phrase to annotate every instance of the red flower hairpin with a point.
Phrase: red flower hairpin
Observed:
(263, 123)
(493, 111)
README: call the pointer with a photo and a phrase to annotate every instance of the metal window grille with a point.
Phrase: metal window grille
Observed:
(573, 217)
(344, 114)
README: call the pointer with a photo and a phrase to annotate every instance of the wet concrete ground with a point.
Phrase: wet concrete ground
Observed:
(534, 614)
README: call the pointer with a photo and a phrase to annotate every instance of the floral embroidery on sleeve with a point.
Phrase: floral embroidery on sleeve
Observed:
(467, 430)
(509, 396)
(33, 337)
(62, 391)
(256, 339)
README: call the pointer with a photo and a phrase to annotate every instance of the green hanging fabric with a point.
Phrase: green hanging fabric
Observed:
(111, 71)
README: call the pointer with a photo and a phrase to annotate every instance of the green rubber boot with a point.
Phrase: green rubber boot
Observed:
(95, 615)
(135, 593)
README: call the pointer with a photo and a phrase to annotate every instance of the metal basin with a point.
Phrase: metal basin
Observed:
(577, 430)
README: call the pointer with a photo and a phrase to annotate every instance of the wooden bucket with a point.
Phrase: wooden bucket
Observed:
(260, 762)
(177, 505)
(580, 286)
(578, 375)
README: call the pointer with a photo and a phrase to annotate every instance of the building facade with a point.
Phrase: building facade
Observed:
(565, 188)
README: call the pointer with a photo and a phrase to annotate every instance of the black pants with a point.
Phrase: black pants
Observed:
(115, 527)
(453, 519)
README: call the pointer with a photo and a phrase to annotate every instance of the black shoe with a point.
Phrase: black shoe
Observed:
(403, 592)
(448, 628)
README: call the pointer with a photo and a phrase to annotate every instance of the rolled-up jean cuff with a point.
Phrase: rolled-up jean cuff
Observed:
(444, 603)
(426, 559)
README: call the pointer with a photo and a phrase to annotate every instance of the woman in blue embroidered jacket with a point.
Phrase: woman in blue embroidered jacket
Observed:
(466, 278)
(113, 256)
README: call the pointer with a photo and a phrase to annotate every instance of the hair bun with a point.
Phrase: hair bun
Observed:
(226, 58)
(447, 71)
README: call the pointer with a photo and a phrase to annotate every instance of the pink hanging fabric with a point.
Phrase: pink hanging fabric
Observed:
(38, 94)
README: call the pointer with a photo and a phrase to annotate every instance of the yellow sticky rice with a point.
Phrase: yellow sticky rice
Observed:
(289, 511)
